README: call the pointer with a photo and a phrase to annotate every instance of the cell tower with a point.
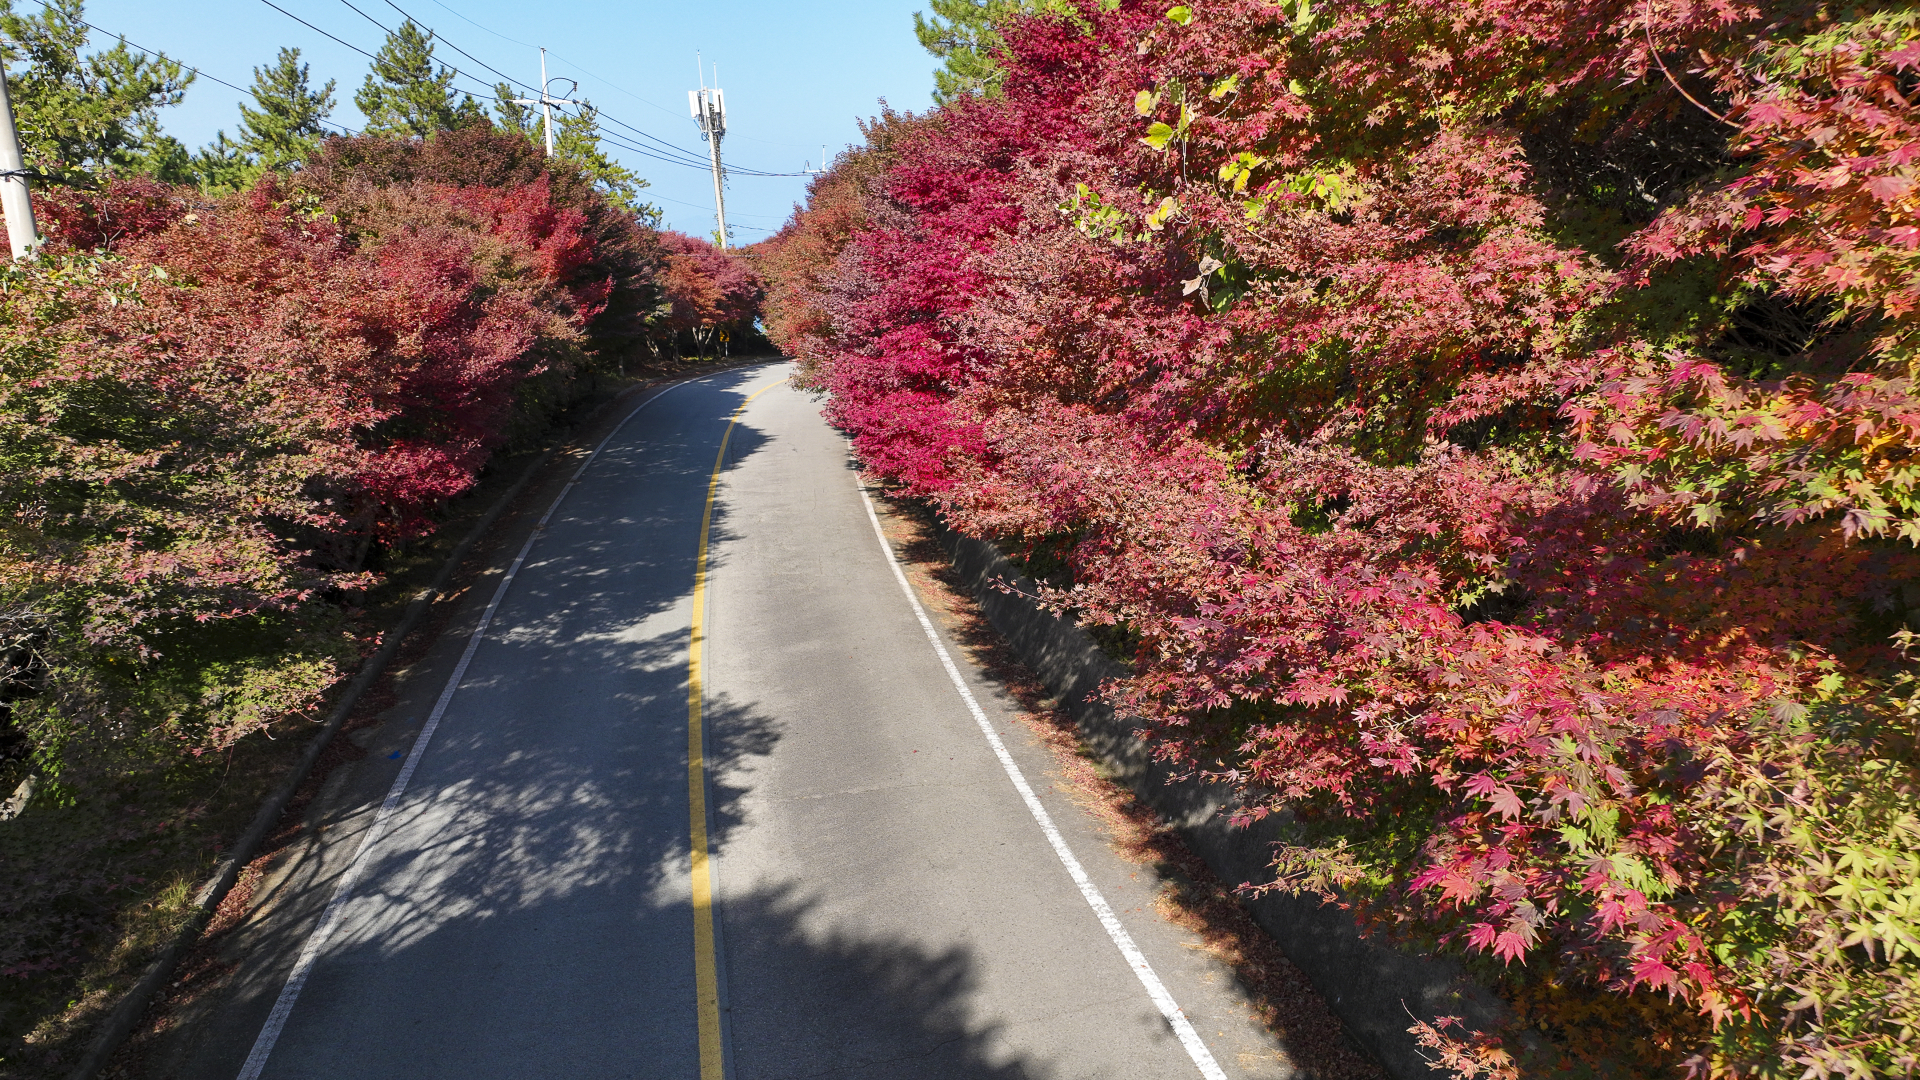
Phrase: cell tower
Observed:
(709, 107)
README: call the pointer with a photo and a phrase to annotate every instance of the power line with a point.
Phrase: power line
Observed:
(349, 44)
(646, 152)
(462, 51)
(371, 19)
(516, 41)
(484, 89)
(689, 160)
(620, 141)
(701, 162)
(698, 163)
(651, 138)
(648, 155)
(476, 25)
(622, 144)
(609, 85)
(707, 209)
(435, 35)
(311, 27)
(198, 72)
(700, 159)
(682, 202)
(449, 44)
(617, 142)
(638, 150)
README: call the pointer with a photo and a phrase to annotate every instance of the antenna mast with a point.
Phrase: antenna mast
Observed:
(709, 107)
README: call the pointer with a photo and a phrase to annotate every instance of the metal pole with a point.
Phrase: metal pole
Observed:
(546, 101)
(714, 130)
(16, 201)
(711, 115)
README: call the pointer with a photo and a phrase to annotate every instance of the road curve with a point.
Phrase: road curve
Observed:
(885, 903)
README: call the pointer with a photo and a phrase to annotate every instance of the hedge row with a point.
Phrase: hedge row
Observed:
(216, 415)
(1493, 420)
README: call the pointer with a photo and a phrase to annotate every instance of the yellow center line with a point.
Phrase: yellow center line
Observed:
(706, 968)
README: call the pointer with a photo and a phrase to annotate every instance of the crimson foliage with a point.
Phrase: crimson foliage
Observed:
(1494, 422)
(214, 416)
(623, 254)
(211, 413)
(712, 298)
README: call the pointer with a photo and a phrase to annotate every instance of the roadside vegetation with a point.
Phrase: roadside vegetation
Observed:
(1494, 423)
(241, 389)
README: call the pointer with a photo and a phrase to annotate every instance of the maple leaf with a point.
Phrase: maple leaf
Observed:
(1889, 188)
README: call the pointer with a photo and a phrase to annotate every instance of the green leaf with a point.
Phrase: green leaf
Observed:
(1182, 14)
(1145, 102)
(1158, 135)
(1225, 86)
(1239, 169)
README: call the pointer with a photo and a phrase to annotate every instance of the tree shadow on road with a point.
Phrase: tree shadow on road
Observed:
(532, 919)
(529, 913)
(1192, 895)
(872, 1006)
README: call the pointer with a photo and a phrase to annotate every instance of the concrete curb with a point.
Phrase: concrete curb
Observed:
(1372, 987)
(126, 1015)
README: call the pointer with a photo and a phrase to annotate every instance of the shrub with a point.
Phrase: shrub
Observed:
(209, 423)
(712, 298)
(1493, 421)
(624, 254)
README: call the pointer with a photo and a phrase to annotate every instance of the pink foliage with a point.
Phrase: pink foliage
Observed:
(1377, 431)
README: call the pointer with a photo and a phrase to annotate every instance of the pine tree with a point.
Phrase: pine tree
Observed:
(222, 166)
(964, 34)
(407, 94)
(95, 113)
(284, 131)
(510, 114)
(969, 37)
(576, 139)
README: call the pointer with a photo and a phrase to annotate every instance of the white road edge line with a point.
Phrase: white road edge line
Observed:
(1157, 990)
(330, 918)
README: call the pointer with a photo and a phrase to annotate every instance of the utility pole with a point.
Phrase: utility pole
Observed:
(15, 199)
(710, 111)
(546, 100)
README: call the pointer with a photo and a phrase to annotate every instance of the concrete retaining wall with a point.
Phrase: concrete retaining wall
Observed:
(1370, 986)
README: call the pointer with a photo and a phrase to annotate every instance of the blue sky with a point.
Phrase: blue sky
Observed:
(796, 74)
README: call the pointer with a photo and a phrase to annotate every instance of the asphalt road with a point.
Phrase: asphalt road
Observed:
(886, 903)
